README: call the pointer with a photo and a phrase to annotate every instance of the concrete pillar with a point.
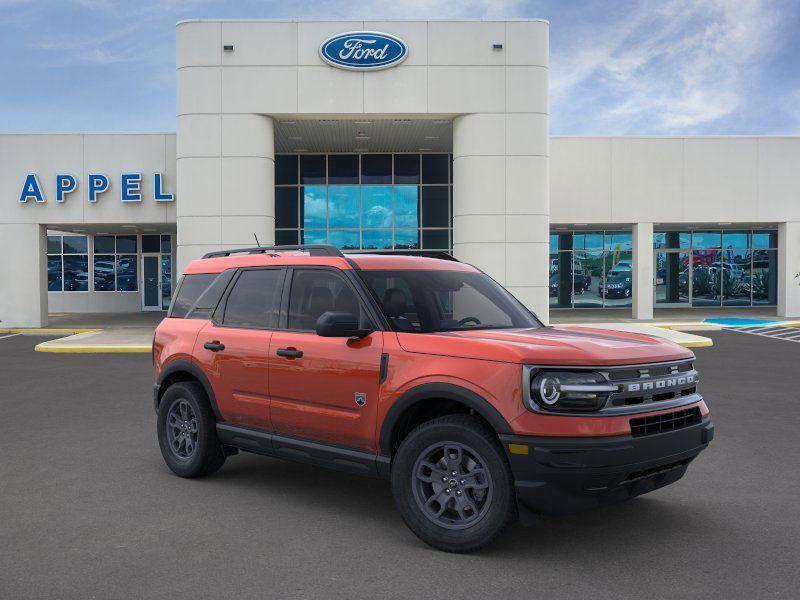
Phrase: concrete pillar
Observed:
(501, 202)
(23, 301)
(642, 281)
(788, 266)
(226, 178)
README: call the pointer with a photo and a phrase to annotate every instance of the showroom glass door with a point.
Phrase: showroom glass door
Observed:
(151, 282)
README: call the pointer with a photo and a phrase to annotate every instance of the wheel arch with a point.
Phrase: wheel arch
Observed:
(417, 397)
(183, 370)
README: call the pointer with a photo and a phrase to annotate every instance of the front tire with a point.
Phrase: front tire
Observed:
(187, 432)
(452, 484)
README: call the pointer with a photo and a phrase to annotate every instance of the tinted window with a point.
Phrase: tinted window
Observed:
(406, 168)
(254, 299)
(376, 168)
(150, 243)
(315, 292)
(126, 244)
(312, 168)
(343, 168)
(104, 244)
(285, 169)
(434, 168)
(286, 207)
(75, 244)
(191, 287)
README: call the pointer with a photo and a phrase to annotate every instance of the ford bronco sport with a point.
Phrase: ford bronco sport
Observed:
(424, 371)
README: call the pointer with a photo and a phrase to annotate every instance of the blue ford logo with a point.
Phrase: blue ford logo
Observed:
(363, 50)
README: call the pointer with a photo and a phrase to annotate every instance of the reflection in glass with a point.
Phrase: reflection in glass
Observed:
(75, 244)
(706, 239)
(312, 168)
(406, 168)
(376, 205)
(377, 239)
(735, 277)
(672, 239)
(435, 239)
(765, 239)
(126, 244)
(166, 244)
(54, 244)
(617, 286)
(765, 277)
(406, 239)
(343, 206)
(313, 206)
(706, 278)
(166, 280)
(104, 244)
(54, 277)
(406, 206)
(588, 241)
(126, 274)
(345, 239)
(314, 236)
(618, 241)
(343, 168)
(376, 168)
(736, 239)
(76, 273)
(434, 206)
(104, 272)
(672, 277)
(587, 278)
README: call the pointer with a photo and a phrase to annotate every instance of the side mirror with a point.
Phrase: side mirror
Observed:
(340, 324)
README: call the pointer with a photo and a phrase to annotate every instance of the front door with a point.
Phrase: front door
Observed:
(324, 389)
(151, 282)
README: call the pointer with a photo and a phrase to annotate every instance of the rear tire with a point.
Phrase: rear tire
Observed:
(455, 513)
(187, 432)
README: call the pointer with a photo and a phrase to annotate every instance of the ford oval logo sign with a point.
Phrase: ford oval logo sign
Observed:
(363, 50)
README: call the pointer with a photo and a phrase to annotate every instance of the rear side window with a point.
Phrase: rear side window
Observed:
(254, 300)
(191, 287)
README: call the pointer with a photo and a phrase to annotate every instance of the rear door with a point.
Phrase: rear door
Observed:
(232, 348)
(324, 389)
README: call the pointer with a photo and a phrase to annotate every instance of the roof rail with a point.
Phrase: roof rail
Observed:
(313, 250)
(440, 254)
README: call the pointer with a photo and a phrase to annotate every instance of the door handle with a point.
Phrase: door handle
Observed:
(214, 346)
(290, 353)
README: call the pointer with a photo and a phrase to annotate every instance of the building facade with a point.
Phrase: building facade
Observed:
(436, 140)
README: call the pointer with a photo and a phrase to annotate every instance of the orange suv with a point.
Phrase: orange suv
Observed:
(424, 371)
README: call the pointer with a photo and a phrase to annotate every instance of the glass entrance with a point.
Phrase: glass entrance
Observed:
(151, 276)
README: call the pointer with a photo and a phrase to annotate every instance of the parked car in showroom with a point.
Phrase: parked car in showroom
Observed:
(617, 285)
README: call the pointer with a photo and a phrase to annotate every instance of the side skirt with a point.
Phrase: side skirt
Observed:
(331, 456)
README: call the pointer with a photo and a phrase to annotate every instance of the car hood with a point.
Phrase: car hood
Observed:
(563, 345)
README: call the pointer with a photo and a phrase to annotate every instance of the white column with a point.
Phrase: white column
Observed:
(501, 202)
(788, 266)
(226, 183)
(23, 301)
(642, 271)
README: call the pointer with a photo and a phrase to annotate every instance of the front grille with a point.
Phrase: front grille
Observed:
(648, 384)
(637, 475)
(665, 422)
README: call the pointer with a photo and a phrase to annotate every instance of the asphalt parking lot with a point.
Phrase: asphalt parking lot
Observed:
(88, 509)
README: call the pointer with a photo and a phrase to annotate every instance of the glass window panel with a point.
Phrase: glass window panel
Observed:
(312, 168)
(672, 278)
(104, 272)
(126, 274)
(313, 206)
(561, 279)
(54, 244)
(588, 241)
(254, 300)
(126, 244)
(166, 281)
(285, 169)
(676, 239)
(406, 239)
(587, 275)
(553, 243)
(286, 207)
(104, 244)
(343, 168)
(377, 239)
(735, 277)
(406, 168)
(376, 202)
(343, 206)
(765, 239)
(434, 168)
(618, 241)
(75, 244)
(659, 239)
(434, 206)
(76, 273)
(706, 277)
(166, 244)
(406, 206)
(765, 277)
(315, 292)
(736, 239)
(617, 285)
(286, 238)
(706, 239)
(150, 243)
(376, 168)
(346, 239)
(435, 239)
(315, 236)
(54, 277)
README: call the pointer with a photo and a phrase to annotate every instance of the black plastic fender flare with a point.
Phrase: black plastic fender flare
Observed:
(184, 366)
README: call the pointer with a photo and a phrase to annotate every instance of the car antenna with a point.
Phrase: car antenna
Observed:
(257, 243)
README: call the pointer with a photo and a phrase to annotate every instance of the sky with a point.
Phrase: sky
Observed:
(617, 67)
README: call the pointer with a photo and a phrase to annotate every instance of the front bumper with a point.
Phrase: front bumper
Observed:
(568, 475)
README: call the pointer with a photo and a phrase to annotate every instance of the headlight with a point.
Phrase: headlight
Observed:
(570, 391)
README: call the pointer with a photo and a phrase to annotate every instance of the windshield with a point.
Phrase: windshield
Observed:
(434, 301)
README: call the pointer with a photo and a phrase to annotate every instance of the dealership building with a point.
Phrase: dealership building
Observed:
(394, 136)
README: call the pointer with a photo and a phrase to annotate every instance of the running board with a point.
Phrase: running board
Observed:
(330, 456)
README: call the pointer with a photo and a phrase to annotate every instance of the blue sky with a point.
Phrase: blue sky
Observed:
(617, 67)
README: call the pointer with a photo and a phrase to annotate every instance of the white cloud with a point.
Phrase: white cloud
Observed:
(669, 69)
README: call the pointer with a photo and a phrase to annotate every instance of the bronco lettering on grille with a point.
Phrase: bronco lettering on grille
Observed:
(659, 384)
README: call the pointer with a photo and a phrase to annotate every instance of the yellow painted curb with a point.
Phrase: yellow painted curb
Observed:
(705, 343)
(91, 349)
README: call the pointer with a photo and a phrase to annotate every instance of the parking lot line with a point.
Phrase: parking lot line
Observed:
(2, 337)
